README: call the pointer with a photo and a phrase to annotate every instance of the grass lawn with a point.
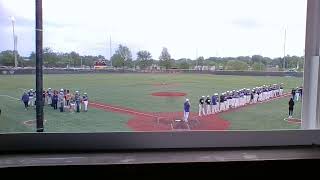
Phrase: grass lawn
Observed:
(133, 90)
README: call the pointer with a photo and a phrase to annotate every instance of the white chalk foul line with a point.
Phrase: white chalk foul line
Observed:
(293, 120)
(9, 97)
(126, 110)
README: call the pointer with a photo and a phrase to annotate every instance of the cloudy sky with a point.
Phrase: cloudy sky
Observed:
(185, 27)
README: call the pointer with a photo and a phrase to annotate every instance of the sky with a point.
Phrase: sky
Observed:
(188, 28)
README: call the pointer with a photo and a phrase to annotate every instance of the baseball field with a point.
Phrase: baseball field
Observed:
(144, 102)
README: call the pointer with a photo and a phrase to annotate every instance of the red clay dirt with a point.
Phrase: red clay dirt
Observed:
(169, 94)
(161, 121)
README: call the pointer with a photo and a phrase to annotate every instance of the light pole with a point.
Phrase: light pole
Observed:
(284, 49)
(110, 48)
(13, 20)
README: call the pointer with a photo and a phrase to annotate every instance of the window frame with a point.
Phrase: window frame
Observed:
(17, 142)
(155, 140)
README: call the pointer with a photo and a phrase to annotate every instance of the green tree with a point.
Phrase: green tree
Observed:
(117, 60)
(184, 65)
(122, 57)
(144, 58)
(7, 58)
(236, 65)
(256, 59)
(258, 66)
(200, 61)
(50, 58)
(75, 59)
(165, 59)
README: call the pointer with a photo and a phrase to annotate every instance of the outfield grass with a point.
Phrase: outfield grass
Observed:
(133, 90)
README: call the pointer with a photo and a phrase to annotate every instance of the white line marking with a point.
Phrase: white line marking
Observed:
(9, 97)
(293, 120)
(134, 112)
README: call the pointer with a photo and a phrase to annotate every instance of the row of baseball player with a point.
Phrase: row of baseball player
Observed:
(234, 99)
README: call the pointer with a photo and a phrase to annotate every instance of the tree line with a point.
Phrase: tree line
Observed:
(122, 58)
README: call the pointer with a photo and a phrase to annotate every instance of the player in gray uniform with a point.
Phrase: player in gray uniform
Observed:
(31, 94)
(61, 101)
(49, 97)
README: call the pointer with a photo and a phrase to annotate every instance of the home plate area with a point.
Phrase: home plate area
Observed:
(179, 124)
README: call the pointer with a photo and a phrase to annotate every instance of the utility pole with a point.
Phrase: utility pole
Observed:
(197, 57)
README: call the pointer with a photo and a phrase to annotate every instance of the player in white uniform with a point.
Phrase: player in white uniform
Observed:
(208, 105)
(85, 101)
(281, 89)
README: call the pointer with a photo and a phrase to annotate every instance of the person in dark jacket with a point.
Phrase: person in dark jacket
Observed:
(291, 106)
(25, 100)
(77, 98)
(55, 100)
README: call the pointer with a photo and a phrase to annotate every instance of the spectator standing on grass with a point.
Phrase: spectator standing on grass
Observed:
(186, 110)
(68, 97)
(61, 101)
(72, 103)
(44, 97)
(25, 100)
(55, 100)
(291, 106)
(65, 97)
(78, 101)
(49, 97)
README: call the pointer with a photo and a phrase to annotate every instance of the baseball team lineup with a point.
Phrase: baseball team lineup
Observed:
(237, 98)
